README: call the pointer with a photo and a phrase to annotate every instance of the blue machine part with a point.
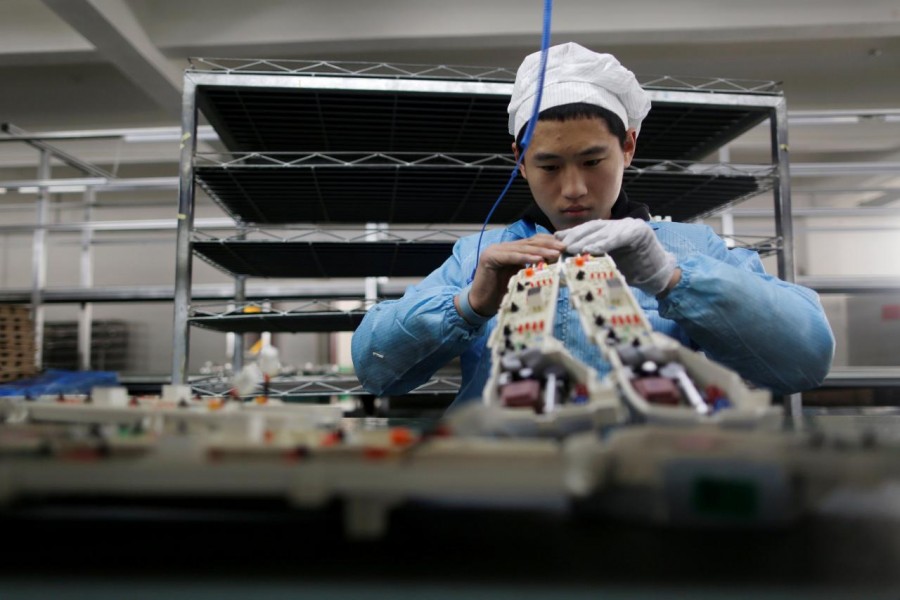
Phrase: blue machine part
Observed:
(59, 381)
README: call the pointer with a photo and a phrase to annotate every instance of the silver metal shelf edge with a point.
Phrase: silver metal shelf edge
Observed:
(204, 293)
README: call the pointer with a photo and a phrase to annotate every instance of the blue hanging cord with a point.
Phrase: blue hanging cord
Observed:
(529, 129)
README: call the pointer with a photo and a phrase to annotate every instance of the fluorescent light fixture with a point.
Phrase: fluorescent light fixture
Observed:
(56, 189)
(66, 189)
(838, 120)
(844, 117)
(205, 133)
(32, 186)
(128, 134)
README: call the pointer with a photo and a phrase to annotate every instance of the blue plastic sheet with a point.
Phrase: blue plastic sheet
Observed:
(59, 381)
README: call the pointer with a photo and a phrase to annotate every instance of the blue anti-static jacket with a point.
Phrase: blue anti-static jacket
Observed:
(774, 333)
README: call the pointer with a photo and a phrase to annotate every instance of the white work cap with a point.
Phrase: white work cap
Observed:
(576, 74)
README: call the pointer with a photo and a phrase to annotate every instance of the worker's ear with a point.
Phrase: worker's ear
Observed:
(522, 164)
(630, 146)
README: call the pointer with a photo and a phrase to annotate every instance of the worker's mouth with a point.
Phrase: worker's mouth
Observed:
(575, 211)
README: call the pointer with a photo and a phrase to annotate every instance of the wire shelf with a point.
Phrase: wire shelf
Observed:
(275, 160)
(470, 161)
(764, 245)
(348, 235)
(410, 188)
(710, 84)
(457, 109)
(320, 385)
(324, 68)
(315, 316)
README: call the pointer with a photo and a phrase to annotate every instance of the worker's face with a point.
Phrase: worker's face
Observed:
(574, 169)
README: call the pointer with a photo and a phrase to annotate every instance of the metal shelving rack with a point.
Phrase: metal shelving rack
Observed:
(323, 145)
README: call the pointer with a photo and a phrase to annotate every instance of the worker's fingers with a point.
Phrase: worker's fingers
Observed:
(521, 252)
(508, 257)
(499, 262)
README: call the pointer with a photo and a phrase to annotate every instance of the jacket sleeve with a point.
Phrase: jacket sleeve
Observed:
(772, 332)
(401, 343)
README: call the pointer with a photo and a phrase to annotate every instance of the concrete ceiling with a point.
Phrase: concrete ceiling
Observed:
(85, 64)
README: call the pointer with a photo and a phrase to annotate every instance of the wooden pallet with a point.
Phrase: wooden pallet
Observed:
(17, 344)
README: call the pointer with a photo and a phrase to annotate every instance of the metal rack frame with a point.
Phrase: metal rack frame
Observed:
(322, 385)
(93, 180)
(442, 79)
(39, 240)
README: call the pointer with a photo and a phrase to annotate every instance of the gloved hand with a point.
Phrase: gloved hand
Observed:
(631, 243)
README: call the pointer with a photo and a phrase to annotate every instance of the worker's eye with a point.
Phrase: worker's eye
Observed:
(593, 162)
(548, 168)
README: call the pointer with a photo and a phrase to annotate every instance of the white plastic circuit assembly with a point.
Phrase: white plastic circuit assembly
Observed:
(658, 379)
(176, 393)
(110, 396)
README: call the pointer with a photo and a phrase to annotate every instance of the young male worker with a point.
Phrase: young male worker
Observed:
(691, 286)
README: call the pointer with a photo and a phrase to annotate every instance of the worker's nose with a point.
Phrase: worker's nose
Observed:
(573, 184)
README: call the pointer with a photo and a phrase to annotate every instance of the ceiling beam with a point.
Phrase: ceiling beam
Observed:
(478, 24)
(112, 28)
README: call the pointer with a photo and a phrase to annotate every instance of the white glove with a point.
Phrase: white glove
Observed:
(631, 243)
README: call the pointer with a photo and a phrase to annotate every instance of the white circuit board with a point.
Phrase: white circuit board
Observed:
(608, 309)
(528, 310)
(652, 375)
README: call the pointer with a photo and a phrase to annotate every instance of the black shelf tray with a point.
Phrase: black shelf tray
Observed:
(280, 120)
(301, 119)
(404, 194)
(306, 322)
(346, 194)
(324, 259)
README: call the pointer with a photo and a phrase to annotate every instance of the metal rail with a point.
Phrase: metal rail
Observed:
(311, 68)
(319, 385)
